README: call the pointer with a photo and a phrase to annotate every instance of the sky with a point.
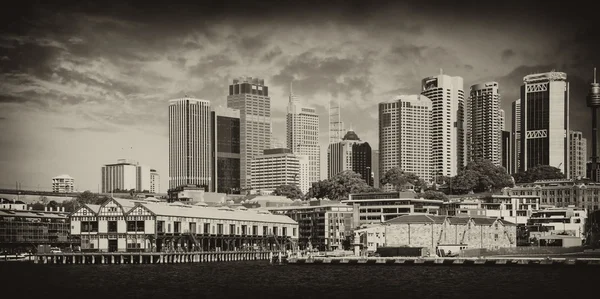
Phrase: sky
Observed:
(83, 84)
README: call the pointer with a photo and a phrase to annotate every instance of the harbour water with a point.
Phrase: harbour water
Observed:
(262, 280)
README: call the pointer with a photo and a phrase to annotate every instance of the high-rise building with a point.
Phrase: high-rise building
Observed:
(189, 143)
(502, 120)
(484, 123)
(448, 140)
(121, 176)
(279, 166)
(63, 183)
(405, 136)
(303, 134)
(516, 136)
(225, 151)
(577, 155)
(154, 181)
(350, 154)
(545, 121)
(375, 167)
(143, 178)
(507, 151)
(251, 97)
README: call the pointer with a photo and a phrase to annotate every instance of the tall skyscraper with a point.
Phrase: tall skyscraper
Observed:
(577, 155)
(350, 154)
(303, 134)
(484, 123)
(448, 122)
(225, 150)
(593, 101)
(375, 167)
(189, 143)
(545, 121)
(405, 136)
(507, 151)
(516, 135)
(251, 97)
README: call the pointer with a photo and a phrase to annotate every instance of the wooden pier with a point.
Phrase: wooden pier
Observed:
(149, 258)
(443, 261)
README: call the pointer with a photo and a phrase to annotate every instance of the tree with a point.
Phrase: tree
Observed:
(289, 191)
(38, 206)
(87, 197)
(52, 205)
(44, 200)
(480, 176)
(339, 186)
(399, 178)
(430, 194)
(540, 172)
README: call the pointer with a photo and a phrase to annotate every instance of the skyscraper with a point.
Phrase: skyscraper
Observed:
(516, 135)
(350, 154)
(577, 155)
(405, 136)
(484, 123)
(251, 97)
(303, 134)
(448, 122)
(545, 121)
(225, 150)
(375, 167)
(506, 151)
(189, 143)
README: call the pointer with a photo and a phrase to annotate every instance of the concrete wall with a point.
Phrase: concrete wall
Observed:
(525, 251)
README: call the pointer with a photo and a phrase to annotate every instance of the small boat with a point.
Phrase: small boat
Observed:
(21, 257)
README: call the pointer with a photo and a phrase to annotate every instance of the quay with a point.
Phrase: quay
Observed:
(149, 257)
(443, 261)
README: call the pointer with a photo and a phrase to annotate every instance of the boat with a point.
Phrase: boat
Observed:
(21, 257)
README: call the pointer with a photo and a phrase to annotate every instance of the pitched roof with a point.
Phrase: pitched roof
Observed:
(483, 221)
(434, 219)
(126, 203)
(508, 223)
(459, 220)
(416, 218)
(94, 208)
(31, 214)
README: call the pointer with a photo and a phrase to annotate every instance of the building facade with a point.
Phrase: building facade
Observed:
(545, 121)
(189, 142)
(303, 134)
(577, 155)
(515, 209)
(276, 167)
(251, 97)
(119, 176)
(225, 150)
(22, 230)
(561, 193)
(143, 178)
(484, 123)
(63, 183)
(120, 225)
(516, 136)
(447, 123)
(405, 136)
(350, 154)
(570, 221)
(375, 167)
(506, 155)
(154, 181)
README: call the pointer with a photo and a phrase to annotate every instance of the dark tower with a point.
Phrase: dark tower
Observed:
(593, 101)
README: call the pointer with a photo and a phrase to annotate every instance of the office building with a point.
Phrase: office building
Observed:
(375, 168)
(506, 155)
(225, 150)
(405, 136)
(545, 121)
(577, 155)
(350, 154)
(120, 176)
(484, 123)
(561, 193)
(279, 166)
(63, 183)
(303, 134)
(516, 208)
(154, 181)
(516, 136)
(189, 143)
(448, 123)
(143, 178)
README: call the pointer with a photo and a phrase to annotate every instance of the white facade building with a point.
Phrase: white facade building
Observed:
(143, 178)
(154, 181)
(119, 176)
(515, 209)
(568, 220)
(63, 184)
(448, 123)
(189, 142)
(485, 121)
(278, 167)
(577, 155)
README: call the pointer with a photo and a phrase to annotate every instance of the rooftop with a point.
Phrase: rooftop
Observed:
(63, 176)
(32, 214)
(433, 219)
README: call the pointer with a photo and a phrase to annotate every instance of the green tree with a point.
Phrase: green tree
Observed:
(38, 206)
(431, 194)
(339, 186)
(52, 205)
(70, 205)
(399, 178)
(87, 197)
(540, 172)
(480, 176)
(289, 191)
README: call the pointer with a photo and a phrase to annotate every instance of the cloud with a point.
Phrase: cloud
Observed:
(87, 129)
(507, 55)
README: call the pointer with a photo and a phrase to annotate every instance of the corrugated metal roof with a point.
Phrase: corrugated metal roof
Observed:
(483, 221)
(94, 208)
(420, 219)
(508, 223)
(414, 219)
(126, 203)
(31, 214)
(459, 220)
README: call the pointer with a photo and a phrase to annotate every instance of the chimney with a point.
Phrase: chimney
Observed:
(45, 209)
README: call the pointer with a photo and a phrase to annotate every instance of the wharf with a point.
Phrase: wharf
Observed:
(149, 257)
(443, 260)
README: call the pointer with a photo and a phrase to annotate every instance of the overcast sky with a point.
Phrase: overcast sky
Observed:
(85, 84)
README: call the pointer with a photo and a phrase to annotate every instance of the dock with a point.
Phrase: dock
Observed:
(149, 257)
(489, 261)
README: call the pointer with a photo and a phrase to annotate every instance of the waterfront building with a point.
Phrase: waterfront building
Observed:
(448, 140)
(7, 204)
(63, 183)
(154, 181)
(382, 206)
(545, 121)
(507, 154)
(22, 230)
(569, 220)
(436, 232)
(375, 168)
(120, 225)
(251, 97)
(225, 150)
(189, 142)
(484, 123)
(561, 193)
(350, 154)
(303, 135)
(279, 166)
(324, 226)
(515, 209)
(405, 136)
(516, 137)
(577, 155)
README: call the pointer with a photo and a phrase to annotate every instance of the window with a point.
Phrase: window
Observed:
(192, 227)
(89, 226)
(255, 230)
(265, 230)
(284, 231)
(160, 227)
(169, 228)
(112, 226)
(275, 230)
(206, 228)
(232, 229)
(244, 228)
(294, 231)
(135, 226)
(219, 229)
(177, 226)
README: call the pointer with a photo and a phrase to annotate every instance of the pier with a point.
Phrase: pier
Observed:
(149, 257)
(443, 261)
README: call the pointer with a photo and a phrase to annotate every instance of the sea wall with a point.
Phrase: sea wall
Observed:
(474, 252)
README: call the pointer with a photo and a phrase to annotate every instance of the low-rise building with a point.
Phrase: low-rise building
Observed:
(512, 208)
(138, 225)
(22, 230)
(7, 204)
(63, 183)
(324, 227)
(561, 192)
(570, 221)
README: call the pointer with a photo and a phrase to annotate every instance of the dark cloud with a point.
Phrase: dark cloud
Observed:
(211, 63)
(507, 55)
(271, 54)
(2, 118)
(468, 67)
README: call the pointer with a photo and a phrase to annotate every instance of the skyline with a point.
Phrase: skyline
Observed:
(80, 88)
